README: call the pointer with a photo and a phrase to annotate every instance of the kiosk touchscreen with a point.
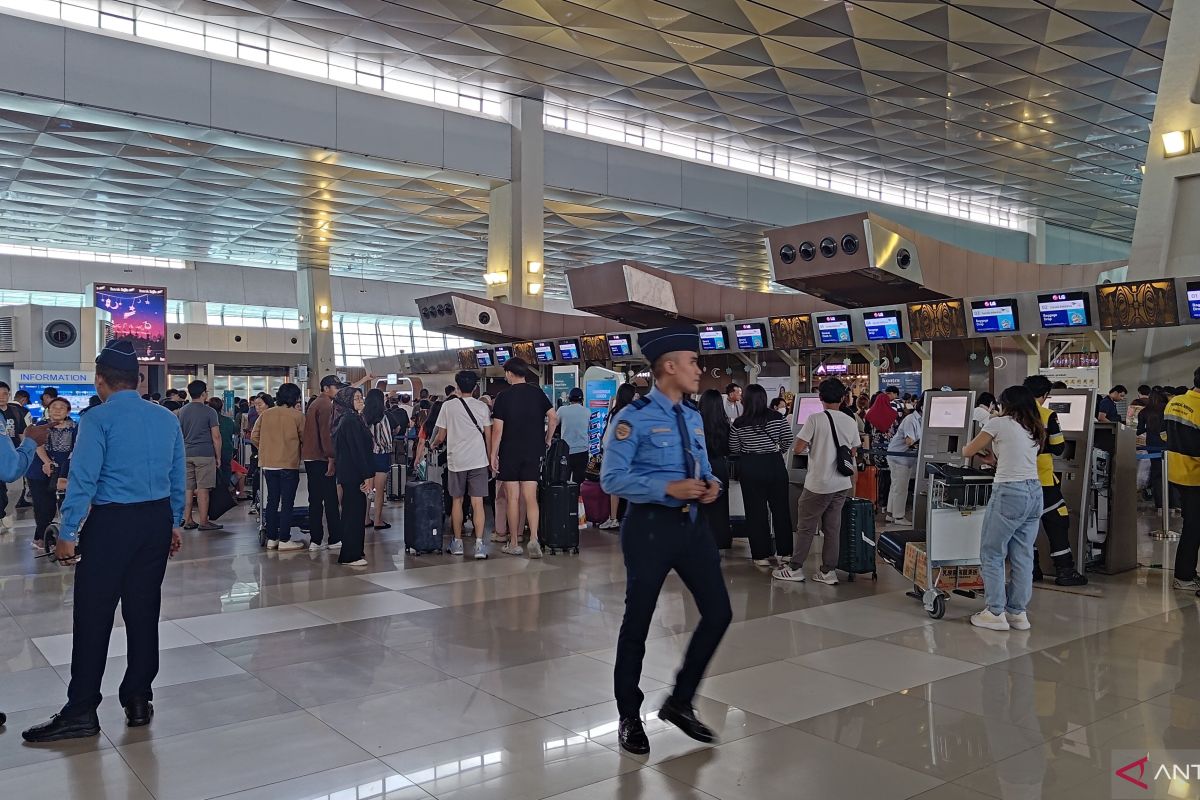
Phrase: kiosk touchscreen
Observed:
(833, 328)
(568, 349)
(483, 357)
(947, 412)
(806, 405)
(945, 430)
(503, 354)
(1065, 310)
(620, 345)
(544, 352)
(751, 336)
(1071, 409)
(995, 316)
(882, 326)
(713, 338)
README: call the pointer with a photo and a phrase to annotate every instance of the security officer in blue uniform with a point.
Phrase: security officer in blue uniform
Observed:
(655, 458)
(127, 480)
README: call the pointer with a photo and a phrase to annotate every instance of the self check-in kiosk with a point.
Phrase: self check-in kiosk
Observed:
(805, 406)
(1076, 410)
(945, 431)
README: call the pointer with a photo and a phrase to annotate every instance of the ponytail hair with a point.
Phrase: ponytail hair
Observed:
(1020, 404)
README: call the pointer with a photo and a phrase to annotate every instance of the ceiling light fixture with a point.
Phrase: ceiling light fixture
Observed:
(1175, 143)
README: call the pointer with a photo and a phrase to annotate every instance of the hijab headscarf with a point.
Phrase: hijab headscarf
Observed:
(881, 414)
(343, 409)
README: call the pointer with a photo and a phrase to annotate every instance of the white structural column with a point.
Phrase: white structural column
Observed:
(316, 311)
(515, 266)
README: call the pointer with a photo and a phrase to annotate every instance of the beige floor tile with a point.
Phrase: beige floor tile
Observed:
(549, 687)
(643, 784)
(787, 692)
(365, 606)
(370, 780)
(57, 649)
(83, 776)
(885, 665)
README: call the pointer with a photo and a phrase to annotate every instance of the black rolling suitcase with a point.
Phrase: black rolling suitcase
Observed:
(857, 556)
(893, 543)
(556, 468)
(558, 528)
(424, 515)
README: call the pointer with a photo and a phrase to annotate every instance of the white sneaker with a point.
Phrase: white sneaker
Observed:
(1188, 586)
(480, 550)
(512, 550)
(362, 562)
(500, 538)
(762, 562)
(272, 544)
(1018, 622)
(902, 521)
(468, 526)
(535, 549)
(456, 547)
(788, 574)
(289, 545)
(335, 546)
(316, 548)
(993, 622)
(609, 524)
(826, 577)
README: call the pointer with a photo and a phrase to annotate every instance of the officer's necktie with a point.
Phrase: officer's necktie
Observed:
(689, 458)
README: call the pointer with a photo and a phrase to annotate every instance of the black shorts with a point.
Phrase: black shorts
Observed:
(520, 467)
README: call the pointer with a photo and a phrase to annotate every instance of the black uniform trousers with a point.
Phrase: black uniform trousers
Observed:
(1189, 538)
(322, 497)
(655, 540)
(1057, 527)
(124, 549)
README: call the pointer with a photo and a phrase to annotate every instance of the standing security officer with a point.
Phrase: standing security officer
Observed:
(127, 479)
(656, 459)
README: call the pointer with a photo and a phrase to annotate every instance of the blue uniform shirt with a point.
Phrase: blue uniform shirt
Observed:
(127, 451)
(15, 461)
(643, 451)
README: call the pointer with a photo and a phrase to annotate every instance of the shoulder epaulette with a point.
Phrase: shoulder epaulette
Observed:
(690, 403)
(640, 402)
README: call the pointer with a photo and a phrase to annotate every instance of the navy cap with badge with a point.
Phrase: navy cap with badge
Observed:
(658, 343)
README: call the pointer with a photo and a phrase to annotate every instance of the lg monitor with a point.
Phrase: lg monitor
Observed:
(1071, 410)
(568, 349)
(1193, 297)
(483, 357)
(806, 406)
(544, 352)
(948, 412)
(833, 328)
(620, 345)
(713, 338)
(994, 316)
(503, 354)
(751, 335)
(1065, 310)
(882, 326)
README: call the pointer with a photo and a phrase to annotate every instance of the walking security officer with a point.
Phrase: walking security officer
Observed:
(127, 479)
(656, 459)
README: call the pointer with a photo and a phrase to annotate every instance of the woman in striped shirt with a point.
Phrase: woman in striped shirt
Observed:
(381, 446)
(760, 437)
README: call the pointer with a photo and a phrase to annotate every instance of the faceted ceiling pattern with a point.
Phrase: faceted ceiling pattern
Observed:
(73, 177)
(1035, 105)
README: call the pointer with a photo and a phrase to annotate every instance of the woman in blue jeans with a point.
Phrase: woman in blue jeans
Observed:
(1011, 441)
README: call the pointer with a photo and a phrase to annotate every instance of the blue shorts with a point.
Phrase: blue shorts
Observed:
(383, 462)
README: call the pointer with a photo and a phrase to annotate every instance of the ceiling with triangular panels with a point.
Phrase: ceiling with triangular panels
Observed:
(1035, 105)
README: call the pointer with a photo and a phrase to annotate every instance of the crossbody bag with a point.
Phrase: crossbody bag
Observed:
(843, 462)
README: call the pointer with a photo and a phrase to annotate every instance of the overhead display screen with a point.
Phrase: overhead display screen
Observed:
(1064, 310)
(882, 326)
(994, 316)
(620, 345)
(833, 328)
(1193, 297)
(568, 349)
(483, 358)
(544, 352)
(503, 354)
(713, 337)
(751, 335)
(139, 314)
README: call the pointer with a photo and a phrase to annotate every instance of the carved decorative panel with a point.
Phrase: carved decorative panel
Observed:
(595, 348)
(793, 332)
(937, 319)
(466, 358)
(525, 350)
(1138, 304)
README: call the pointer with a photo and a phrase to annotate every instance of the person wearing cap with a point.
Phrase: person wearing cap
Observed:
(655, 457)
(127, 479)
(317, 452)
(573, 426)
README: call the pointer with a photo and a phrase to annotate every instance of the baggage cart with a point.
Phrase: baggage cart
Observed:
(956, 502)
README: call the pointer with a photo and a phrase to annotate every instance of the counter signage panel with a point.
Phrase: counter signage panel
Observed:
(713, 337)
(882, 326)
(833, 328)
(544, 352)
(1064, 310)
(620, 345)
(483, 357)
(503, 354)
(568, 349)
(751, 336)
(1193, 295)
(994, 316)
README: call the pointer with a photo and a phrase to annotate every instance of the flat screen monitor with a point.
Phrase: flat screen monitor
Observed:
(1193, 296)
(751, 335)
(568, 349)
(620, 345)
(882, 326)
(947, 412)
(1071, 410)
(806, 406)
(1065, 310)
(713, 338)
(994, 316)
(544, 352)
(503, 354)
(483, 357)
(833, 328)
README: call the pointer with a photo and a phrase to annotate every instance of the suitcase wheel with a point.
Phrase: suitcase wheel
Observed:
(575, 551)
(939, 607)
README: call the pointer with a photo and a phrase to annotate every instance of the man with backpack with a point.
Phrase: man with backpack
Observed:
(465, 425)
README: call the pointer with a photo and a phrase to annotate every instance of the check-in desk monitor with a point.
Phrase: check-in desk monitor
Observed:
(620, 346)
(503, 354)
(544, 352)
(883, 326)
(568, 349)
(750, 336)
(833, 329)
(483, 357)
(995, 315)
(1065, 310)
(805, 406)
(713, 338)
(945, 430)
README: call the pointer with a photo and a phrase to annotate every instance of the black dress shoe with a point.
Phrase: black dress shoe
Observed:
(59, 727)
(3, 719)
(633, 736)
(138, 713)
(684, 717)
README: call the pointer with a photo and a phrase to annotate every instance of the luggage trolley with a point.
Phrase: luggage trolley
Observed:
(957, 499)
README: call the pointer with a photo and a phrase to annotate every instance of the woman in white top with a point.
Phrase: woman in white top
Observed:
(1010, 523)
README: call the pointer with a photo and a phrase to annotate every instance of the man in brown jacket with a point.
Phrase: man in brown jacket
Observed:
(318, 465)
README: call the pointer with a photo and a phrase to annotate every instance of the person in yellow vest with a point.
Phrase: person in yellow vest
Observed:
(1182, 419)
(1056, 517)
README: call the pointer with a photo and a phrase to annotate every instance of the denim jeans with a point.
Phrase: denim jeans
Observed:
(281, 496)
(1010, 527)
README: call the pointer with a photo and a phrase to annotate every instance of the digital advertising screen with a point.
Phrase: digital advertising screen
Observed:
(139, 314)
(77, 387)
(751, 336)
(483, 357)
(620, 345)
(544, 352)
(712, 338)
(503, 354)
(833, 328)
(994, 316)
(882, 326)
(1064, 310)
(1193, 297)
(568, 349)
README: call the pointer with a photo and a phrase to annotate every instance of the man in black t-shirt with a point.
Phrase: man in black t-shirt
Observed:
(523, 423)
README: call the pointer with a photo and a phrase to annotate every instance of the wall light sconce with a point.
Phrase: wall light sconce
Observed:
(1176, 143)
(534, 267)
(535, 288)
(324, 324)
(323, 309)
(495, 278)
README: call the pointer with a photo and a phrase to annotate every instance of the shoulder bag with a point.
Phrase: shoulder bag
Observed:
(843, 462)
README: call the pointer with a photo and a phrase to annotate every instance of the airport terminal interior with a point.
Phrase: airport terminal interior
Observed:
(920, 203)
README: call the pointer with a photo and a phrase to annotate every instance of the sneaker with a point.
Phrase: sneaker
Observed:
(762, 562)
(826, 577)
(456, 547)
(788, 574)
(535, 549)
(272, 544)
(290, 545)
(316, 548)
(362, 562)
(500, 538)
(512, 550)
(1187, 586)
(1019, 622)
(335, 546)
(902, 521)
(993, 622)
(609, 524)
(480, 550)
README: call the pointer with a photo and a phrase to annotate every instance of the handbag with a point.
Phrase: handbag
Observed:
(843, 462)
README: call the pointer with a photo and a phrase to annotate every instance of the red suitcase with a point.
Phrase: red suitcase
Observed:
(595, 502)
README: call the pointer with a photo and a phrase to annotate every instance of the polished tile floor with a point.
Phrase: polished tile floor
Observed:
(287, 677)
